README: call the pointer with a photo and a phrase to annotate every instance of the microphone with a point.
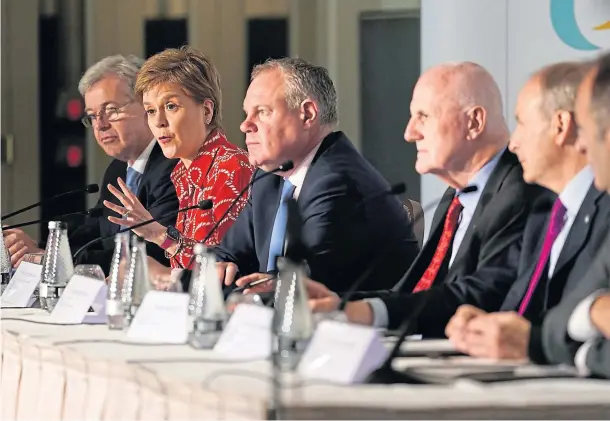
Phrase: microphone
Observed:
(91, 188)
(92, 213)
(202, 205)
(295, 223)
(286, 166)
(385, 374)
(364, 276)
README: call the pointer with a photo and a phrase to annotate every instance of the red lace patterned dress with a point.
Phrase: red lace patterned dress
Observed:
(219, 172)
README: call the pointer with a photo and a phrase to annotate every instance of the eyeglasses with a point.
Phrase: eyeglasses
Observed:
(110, 114)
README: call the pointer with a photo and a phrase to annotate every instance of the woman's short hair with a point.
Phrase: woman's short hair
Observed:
(189, 68)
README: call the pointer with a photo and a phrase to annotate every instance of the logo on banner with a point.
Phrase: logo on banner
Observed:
(566, 27)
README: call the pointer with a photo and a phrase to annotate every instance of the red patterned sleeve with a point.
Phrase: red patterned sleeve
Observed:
(233, 174)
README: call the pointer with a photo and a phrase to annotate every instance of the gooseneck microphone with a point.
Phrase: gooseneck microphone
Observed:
(202, 205)
(286, 166)
(91, 188)
(364, 276)
(92, 213)
(386, 374)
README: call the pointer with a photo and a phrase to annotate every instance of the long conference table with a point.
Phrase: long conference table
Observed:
(78, 372)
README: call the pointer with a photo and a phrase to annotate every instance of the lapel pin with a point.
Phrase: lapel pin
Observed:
(587, 219)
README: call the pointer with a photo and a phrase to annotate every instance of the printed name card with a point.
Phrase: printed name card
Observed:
(248, 333)
(161, 318)
(342, 353)
(80, 294)
(19, 291)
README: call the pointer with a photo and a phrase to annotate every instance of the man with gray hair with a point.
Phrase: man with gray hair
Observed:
(291, 114)
(119, 124)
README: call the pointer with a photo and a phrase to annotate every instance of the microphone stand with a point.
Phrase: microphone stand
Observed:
(93, 213)
(286, 166)
(386, 374)
(91, 188)
(364, 276)
(395, 189)
(203, 205)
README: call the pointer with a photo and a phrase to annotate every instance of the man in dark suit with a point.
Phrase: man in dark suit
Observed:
(577, 331)
(554, 260)
(119, 124)
(291, 113)
(458, 126)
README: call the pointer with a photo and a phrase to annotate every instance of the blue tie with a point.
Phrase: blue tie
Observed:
(133, 180)
(276, 246)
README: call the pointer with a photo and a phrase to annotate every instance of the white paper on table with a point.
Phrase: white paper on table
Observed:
(80, 294)
(161, 318)
(19, 291)
(247, 335)
(342, 352)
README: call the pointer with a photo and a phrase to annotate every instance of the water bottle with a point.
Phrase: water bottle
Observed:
(118, 273)
(292, 325)
(57, 265)
(5, 263)
(206, 303)
(136, 283)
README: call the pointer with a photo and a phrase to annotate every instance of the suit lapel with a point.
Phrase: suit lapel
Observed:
(439, 215)
(519, 288)
(579, 232)
(504, 165)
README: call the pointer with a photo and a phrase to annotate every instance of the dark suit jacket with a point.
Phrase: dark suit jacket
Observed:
(486, 263)
(557, 346)
(156, 193)
(586, 235)
(343, 232)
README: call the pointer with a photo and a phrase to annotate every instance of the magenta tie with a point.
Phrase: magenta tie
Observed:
(555, 225)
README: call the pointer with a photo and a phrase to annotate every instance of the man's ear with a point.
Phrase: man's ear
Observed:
(477, 118)
(309, 112)
(564, 128)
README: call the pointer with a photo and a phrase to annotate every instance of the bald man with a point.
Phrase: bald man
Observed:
(458, 126)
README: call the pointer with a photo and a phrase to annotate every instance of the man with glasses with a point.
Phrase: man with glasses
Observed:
(120, 127)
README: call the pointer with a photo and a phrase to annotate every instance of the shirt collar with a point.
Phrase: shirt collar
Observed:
(469, 201)
(140, 164)
(298, 175)
(576, 190)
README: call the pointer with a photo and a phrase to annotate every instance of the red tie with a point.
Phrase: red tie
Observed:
(455, 208)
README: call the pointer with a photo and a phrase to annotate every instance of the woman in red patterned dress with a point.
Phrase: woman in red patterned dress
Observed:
(180, 90)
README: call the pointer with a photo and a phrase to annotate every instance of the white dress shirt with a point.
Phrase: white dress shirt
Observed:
(469, 202)
(297, 177)
(140, 163)
(572, 197)
(582, 329)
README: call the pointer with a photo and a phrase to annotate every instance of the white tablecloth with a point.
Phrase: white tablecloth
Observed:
(90, 372)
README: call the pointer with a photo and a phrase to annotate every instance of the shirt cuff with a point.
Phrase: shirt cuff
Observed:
(580, 359)
(380, 312)
(175, 278)
(580, 326)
